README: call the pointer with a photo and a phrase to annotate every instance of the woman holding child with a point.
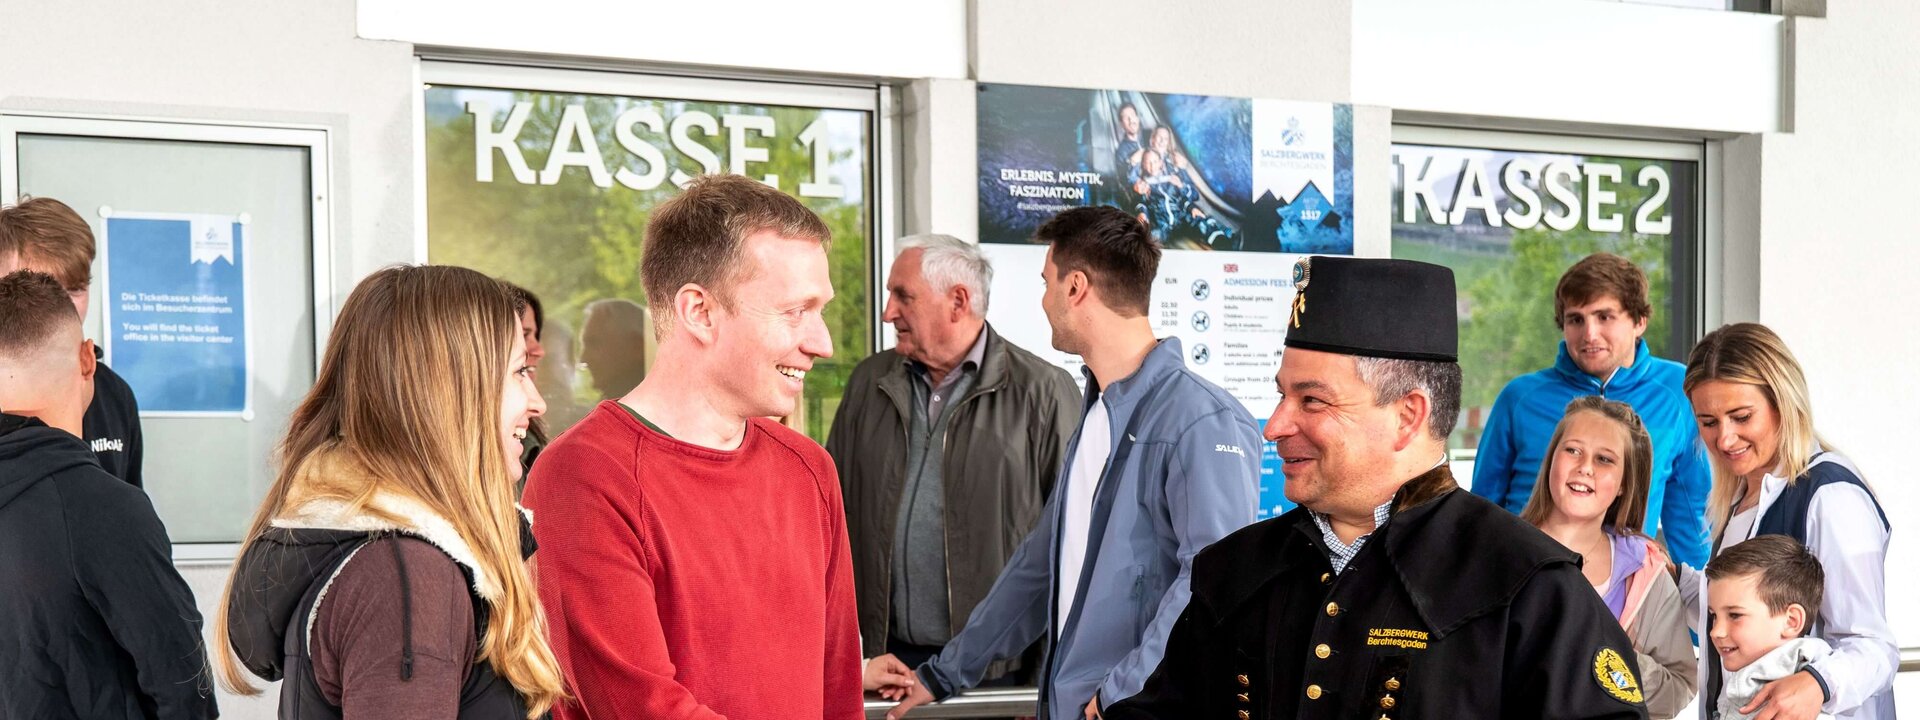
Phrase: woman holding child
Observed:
(1774, 475)
(1592, 497)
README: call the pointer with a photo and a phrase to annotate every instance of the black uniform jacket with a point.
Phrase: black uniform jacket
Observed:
(1452, 609)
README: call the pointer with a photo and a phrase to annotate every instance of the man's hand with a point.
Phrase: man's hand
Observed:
(917, 695)
(1093, 708)
(1794, 697)
(888, 676)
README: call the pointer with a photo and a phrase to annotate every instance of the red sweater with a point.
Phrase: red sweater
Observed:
(685, 582)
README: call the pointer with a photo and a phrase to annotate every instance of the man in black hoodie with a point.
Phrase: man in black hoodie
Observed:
(94, 620)
(44, 234)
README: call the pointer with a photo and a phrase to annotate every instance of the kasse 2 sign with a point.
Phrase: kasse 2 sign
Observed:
(1561, 194)
(644, 133)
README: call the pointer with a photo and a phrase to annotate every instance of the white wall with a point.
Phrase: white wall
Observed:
(1837, 254)
(871, 38)
(237, 60)
(1570, 61)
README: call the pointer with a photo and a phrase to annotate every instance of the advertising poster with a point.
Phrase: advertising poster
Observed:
(176, 311)
(1235, 190)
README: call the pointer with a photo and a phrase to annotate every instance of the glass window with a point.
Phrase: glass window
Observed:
(1510, 221)
(203, 297)
(552, 191)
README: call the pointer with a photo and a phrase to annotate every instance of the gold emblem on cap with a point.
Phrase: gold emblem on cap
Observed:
(1302, 273)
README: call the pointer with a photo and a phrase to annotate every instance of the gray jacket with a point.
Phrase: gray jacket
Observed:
(1791, 657)
(1004, 444)
(1183, 473)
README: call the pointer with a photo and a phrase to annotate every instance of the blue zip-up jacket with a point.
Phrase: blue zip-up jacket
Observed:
(1522, 422)
(1183, 474)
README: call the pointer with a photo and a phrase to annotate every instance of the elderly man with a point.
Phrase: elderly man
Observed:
(948, 446)
(1163, 464)
(1388, 593)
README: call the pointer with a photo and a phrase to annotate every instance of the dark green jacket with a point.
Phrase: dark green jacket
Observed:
(1005, 441)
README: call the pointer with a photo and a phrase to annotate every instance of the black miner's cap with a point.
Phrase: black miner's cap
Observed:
(1397, 309)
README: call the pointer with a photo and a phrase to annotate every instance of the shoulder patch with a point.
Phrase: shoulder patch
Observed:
(1615, 676)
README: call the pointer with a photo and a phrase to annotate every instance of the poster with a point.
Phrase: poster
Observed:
(176, 315)
(1235, 190)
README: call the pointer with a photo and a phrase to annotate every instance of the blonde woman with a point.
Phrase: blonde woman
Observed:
(1774, 475)
(1592, 498)
(383, 575)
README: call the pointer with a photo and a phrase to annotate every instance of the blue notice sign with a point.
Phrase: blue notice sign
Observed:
(176, 314)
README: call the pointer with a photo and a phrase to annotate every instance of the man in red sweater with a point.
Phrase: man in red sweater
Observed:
(693, 554)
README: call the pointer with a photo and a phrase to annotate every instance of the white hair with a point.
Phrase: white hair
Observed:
(947, 262)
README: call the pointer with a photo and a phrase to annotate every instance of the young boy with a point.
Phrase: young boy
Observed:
(1762, 597)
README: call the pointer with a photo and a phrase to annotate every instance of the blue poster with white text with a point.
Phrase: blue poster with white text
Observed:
(176, 314)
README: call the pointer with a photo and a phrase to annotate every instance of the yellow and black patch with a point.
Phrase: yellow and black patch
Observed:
(1616, 676)
(1397, 637)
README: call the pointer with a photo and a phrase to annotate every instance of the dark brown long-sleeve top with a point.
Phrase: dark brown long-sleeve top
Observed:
(360, 637)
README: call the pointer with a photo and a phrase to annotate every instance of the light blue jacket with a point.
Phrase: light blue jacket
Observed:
(1524, 416)
(1183, 473)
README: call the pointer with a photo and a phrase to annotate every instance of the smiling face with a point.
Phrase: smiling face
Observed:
(1335, 442)
(1601, 336)
(1742, 628)
(1130, 121)
(1162, 139)
(1588, 465)
(520, 403)
(766, 342)
(1738, 424)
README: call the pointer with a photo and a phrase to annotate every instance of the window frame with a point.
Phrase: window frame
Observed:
(317, 140)
(1703, 305)
(875, 99)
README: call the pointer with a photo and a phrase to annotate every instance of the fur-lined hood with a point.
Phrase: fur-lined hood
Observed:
(303, 547)
(389, 512)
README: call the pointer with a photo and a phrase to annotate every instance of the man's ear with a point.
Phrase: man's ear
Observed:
(88, 365)
(1796, 620)
(959, 302)
(1078, 286)
(1412, 413)
(693, 308)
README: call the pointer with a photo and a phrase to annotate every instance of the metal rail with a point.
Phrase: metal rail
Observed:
(1021, 702)
(991, 703)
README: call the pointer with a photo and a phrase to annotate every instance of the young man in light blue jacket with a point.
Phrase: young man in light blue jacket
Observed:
(1602, 309)
(1164, 464)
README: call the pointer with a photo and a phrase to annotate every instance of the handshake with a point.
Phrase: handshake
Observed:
(895, 681)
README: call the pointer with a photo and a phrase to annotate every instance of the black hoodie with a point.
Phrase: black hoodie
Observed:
(94, 620)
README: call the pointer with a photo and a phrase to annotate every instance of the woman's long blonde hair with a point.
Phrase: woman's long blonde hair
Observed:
(1751, 354)
(409, 394)
(1627, 514)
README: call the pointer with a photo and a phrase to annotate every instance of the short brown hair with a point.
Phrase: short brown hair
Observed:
(45, 230)
(36, 309)
(1788, 573)
(696, 237)
(1113, 248)
(1599, 275)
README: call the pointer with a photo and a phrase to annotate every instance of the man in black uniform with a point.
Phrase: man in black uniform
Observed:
(1388, 593)
(44, 235)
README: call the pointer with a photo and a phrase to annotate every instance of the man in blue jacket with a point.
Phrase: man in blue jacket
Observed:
(1602, 309)
(1164, 464)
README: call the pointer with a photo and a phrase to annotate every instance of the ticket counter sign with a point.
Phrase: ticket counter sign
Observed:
(176, 317)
